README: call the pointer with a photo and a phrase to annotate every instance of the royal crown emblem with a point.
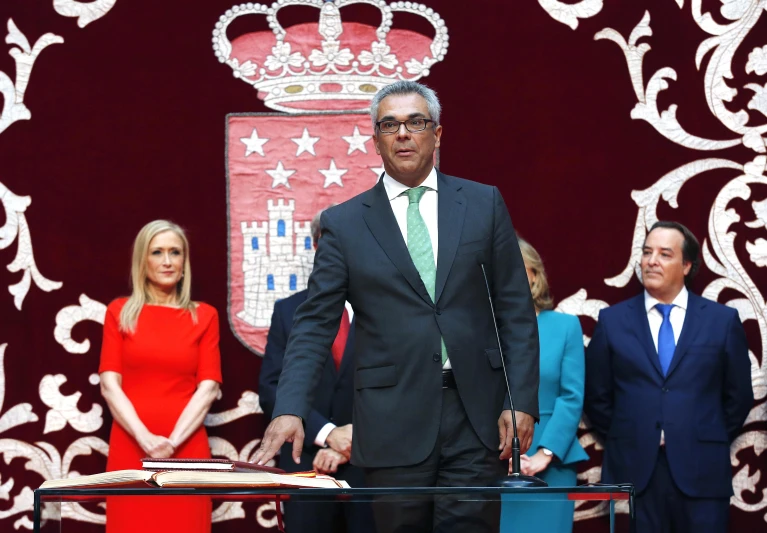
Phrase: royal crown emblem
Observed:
(283, 168)
(329, 64)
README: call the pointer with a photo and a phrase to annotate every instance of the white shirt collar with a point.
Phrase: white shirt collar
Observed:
(395, 188)
(679, 301)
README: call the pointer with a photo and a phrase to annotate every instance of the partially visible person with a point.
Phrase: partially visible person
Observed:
(160, 372)
(328, 440)
(668, 384)
(555, 450)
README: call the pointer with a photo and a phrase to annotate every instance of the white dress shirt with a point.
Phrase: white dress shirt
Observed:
(427, 206)
(655, 317)
(322, 436)
(676, 317)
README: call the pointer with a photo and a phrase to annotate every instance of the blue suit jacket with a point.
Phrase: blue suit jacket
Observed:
(333, 399)
(700, 404)
(560, 393)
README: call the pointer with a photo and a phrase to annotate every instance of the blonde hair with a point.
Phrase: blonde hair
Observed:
(540, 287)
(140, 283)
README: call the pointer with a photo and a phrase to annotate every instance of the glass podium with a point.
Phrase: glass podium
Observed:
(49, 520)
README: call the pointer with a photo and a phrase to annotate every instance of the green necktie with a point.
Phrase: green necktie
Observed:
(419, 246)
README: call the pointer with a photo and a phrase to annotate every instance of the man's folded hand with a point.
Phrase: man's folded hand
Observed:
(340, 440)
(327, 461)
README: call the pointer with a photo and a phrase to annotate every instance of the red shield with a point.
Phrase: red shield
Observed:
(281, 171)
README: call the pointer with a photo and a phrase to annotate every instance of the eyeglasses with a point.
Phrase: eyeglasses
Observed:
(413, 125)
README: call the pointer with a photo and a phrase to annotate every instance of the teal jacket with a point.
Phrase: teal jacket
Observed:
(560, 394)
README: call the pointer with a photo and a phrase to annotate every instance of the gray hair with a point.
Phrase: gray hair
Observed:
(403, 87)
(314, 225)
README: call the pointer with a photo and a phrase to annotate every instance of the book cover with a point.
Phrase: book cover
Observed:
(213, 465)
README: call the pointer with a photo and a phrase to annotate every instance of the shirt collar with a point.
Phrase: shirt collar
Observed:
(679, 301)
(395, 188)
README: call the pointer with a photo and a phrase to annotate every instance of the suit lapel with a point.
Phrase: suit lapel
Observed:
(451, 210)
(641, 327)
(380, 220)
(690, 328)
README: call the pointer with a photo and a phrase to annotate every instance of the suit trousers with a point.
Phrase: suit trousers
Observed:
(304, 514)
(307, 514)
(663, 508)
(459, 459)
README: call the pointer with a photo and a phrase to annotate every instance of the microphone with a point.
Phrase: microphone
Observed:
(515, 479)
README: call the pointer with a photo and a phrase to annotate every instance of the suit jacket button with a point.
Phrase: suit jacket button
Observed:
(438, 311)
(664, 389)
(437, 358)
(657, 425)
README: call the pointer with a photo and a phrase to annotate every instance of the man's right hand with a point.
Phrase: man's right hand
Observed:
(285, 428)
(340, 440)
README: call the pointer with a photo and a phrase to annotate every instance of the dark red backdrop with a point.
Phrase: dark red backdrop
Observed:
(128, 126)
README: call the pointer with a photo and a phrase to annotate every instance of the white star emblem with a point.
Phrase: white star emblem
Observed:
(305, 143)
(357, 141)
(254, 144)
(378, 171)
(280, 175)
(333, 175)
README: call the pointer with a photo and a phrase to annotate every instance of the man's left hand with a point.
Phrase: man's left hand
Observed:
(525, 428)
(525, 425)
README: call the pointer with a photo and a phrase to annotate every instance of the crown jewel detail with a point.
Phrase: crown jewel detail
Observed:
(329, 64)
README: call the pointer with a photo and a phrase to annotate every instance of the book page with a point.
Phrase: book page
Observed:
(241, 479)
(105, 479)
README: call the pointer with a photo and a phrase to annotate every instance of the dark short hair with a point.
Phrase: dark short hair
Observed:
(690, 247)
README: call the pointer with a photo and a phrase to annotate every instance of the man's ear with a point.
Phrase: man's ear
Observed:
(687, 266)
(375, 143)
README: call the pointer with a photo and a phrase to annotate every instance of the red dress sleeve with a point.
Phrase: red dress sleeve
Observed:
(111, 344)
(209, 365)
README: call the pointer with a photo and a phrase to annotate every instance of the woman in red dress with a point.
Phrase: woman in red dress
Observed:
(160, 372)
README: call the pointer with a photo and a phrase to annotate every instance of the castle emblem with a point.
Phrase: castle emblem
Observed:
(283, 168)
(285, 264)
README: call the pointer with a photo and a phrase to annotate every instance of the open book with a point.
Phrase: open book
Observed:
(196, 479)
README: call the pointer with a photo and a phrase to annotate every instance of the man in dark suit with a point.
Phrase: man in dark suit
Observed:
(328, 440)
(668, 383)
(430, 394)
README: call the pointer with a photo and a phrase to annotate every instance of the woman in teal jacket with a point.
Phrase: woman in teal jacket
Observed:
(555, 450)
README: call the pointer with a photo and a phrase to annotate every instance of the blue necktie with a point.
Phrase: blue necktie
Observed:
(666, 342)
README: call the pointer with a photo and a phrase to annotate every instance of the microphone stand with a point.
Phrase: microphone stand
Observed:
(516, 479)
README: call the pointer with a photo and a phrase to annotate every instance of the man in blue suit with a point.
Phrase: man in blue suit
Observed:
(327, 445)
(668, 384)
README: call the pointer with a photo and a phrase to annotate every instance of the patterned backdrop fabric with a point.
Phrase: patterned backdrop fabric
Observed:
(595, 119)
